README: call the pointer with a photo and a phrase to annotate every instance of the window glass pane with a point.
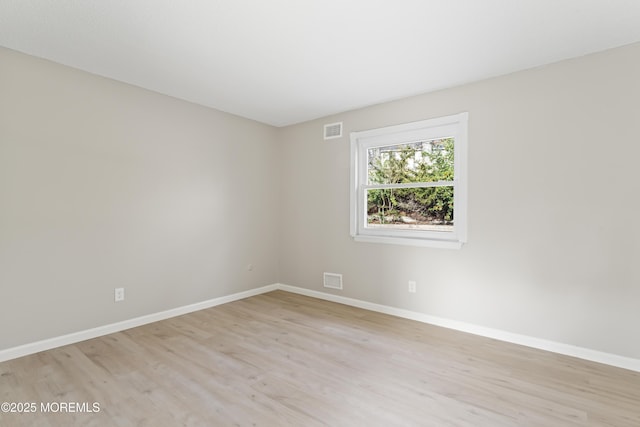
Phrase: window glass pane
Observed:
(411, 208)
(424, 161)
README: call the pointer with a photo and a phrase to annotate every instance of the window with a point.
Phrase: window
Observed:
(408, 183)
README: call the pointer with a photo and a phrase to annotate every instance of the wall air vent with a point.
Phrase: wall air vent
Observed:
(333, 280)
(333, 130)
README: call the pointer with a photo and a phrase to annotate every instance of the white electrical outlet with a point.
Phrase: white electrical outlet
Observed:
(118, 294)
(412, 286)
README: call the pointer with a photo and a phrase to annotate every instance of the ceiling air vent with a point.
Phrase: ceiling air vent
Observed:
(333, 280)
(333, 130)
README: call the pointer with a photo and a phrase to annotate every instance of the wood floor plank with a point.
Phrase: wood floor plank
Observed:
(281, 359)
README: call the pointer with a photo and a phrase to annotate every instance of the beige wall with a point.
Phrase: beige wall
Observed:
(105, 185)
(554, 237)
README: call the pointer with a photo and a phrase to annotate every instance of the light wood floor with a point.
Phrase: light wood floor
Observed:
(281, 359)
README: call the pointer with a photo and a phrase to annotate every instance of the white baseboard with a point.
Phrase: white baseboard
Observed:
(552, 346)
(541, 344)
(31, 348)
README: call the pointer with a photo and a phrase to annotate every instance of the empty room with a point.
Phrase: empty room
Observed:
(319, 213)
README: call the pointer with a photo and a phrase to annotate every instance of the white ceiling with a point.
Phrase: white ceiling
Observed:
(286, 61)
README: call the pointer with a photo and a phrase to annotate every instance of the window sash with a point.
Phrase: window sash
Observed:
(444, 127)
(421, 184)
(364, 229)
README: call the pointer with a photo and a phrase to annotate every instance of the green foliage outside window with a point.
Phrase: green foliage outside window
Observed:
(409, 163)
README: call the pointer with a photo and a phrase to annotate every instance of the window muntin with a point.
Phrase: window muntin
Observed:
(408, 183)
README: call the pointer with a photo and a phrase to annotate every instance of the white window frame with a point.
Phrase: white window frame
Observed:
(442, 127)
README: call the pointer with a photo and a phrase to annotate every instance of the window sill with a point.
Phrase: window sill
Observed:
(408, 241)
